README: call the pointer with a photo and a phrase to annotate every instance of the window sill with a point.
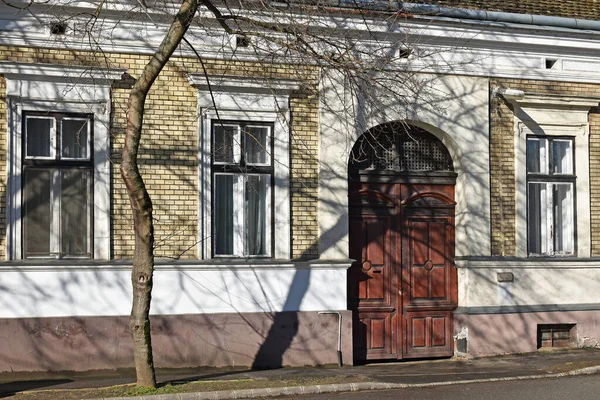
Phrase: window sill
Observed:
(166, 265)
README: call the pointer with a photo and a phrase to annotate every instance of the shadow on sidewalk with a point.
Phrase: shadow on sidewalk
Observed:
(10, 388)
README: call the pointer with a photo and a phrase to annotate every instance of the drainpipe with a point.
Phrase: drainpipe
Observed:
(479, 15)
(508, 94)
(339, 343)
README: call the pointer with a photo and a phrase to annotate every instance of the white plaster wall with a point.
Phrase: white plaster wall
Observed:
(453, 108)
(535, 283)
(27, 292)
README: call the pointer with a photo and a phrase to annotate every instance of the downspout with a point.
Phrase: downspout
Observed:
(339, 339)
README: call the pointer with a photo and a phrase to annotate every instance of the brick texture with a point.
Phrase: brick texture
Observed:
(168, 155)
(595, 180)
(502, 178)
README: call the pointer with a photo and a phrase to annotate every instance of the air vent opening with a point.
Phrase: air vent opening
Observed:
(556, 336)
(242, 41)
(58, 28)
(552, 63)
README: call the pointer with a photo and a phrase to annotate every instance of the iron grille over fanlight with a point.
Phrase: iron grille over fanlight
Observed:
(399, 147)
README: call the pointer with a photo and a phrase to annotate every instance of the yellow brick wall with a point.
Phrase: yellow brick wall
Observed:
(595, 179)
(502, 178)
(305, 176)
(502, 170)
(168, 155)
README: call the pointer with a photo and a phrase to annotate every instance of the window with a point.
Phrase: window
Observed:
(57, 186)
(550, 195)
(242, 176)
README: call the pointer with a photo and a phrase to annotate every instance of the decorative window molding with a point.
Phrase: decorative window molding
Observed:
(41, 88)
(539, 115)
(247, 100)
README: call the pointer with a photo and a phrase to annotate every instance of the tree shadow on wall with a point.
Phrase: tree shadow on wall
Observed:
(285, 325)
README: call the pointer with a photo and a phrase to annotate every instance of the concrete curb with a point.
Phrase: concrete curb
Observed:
(338, 387)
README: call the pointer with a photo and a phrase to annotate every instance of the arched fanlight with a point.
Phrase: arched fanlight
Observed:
(399, 147)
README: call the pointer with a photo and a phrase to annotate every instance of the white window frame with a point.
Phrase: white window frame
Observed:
(248, 100)
(551, 115)
(72, 90)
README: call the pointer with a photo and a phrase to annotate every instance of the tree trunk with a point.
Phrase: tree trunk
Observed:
(141, 204)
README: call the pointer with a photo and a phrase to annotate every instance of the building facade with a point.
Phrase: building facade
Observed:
(444, 204)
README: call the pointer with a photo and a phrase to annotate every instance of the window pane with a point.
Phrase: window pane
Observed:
(75, 212)
(256, 145)
(39, 140)
(537, 218)
(256, 212)
(223, 214)
(562, 156)
(75, 139)
(225, 143)
(536, 155)
(563, 218)
(36, 208)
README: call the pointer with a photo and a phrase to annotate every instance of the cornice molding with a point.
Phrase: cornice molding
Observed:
(238, 84)
(52, 72)
(555, 101)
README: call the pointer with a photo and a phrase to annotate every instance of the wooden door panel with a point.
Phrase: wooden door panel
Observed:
(429, 334)
(429, 276)
(427, 259)
(379, 333)
(418, 328)
(437, 242)
(373, 249)
(404, 247)
(419, 284)
(437, 278)
(438, 332)
(373, 294)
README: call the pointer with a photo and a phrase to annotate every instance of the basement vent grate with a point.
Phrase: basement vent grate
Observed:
(556, 335)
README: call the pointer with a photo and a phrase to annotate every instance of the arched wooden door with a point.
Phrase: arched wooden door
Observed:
(403, 284)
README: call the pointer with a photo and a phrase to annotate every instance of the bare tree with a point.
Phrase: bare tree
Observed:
(141, 204)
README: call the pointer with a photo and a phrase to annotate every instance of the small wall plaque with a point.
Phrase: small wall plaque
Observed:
(506, 277)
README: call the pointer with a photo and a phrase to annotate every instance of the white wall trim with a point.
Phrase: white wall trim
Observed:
(529, 263)
(201, 265)
(97, 289)
(28, 88)
(242, 84)
(47, 72)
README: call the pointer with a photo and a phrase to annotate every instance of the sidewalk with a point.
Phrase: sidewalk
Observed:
(314, 380)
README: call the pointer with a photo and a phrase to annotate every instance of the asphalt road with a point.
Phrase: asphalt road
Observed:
(571, 388)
